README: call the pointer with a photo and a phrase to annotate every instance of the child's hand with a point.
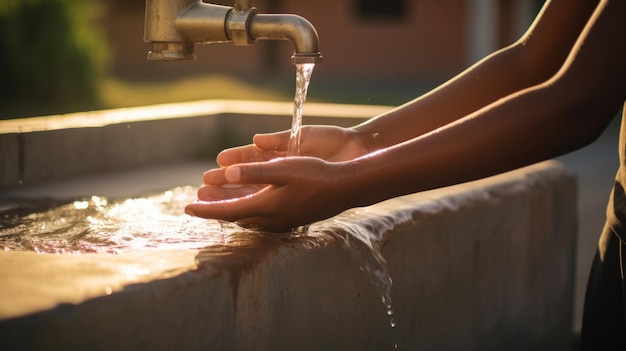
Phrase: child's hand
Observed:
(330, 143)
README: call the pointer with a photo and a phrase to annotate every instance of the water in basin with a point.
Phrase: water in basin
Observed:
(100, 225)
(156, 222)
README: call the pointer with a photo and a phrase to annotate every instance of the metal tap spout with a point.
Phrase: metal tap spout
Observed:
(291, 27)
(174, 26)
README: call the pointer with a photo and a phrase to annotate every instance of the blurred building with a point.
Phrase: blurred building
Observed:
(359, 39)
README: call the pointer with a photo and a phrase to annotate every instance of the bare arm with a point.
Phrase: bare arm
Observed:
(533, 59)
(563, 108)
(559, 115)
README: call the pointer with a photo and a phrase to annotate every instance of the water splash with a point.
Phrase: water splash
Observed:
(363, 237)
(101, 225)
(97, 224)
(303, 78)
(361, 242)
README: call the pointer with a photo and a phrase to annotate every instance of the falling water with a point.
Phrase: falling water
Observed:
(303, 78)
(363, 237)
(365, 250)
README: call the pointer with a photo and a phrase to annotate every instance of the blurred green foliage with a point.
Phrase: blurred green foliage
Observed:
(53, 56)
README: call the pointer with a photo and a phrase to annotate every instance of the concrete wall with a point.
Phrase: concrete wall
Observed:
(487, 265)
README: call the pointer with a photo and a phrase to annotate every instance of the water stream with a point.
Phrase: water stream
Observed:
(360, 243)
(303, 78)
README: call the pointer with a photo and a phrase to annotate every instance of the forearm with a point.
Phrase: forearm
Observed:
(476, 87)
(498, 139)
(560, 115)
(533, 59)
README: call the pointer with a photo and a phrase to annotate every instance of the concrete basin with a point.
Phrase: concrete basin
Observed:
(487, 265)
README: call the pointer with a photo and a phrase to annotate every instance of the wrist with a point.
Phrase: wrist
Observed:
(370, 139)
(355, 183)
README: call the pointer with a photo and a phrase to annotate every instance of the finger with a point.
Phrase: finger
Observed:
(234, 155)
(214, 177)
(228, 210)
(226, 192)
(278, 141)
(211, 210)
(257, 173)
(245, 154)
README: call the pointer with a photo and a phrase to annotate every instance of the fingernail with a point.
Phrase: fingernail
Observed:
(189, 212)
(233, 174)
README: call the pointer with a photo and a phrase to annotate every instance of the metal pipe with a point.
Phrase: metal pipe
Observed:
(174, 26)
(290, 27)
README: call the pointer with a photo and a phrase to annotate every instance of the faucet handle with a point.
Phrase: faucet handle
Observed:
(237, 22)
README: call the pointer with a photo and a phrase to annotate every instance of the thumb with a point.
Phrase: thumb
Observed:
(256, 173)
(233, 174)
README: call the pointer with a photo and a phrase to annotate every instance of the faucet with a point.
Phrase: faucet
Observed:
(174, 26)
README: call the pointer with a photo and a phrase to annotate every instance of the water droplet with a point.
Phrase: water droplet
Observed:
(81, 205)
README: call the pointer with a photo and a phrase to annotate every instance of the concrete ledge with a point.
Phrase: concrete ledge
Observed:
(487, 265)
(52, 148)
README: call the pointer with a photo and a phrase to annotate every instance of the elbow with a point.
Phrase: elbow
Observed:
(536, 68)
(586, 109)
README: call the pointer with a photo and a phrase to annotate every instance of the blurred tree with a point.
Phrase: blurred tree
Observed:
(53, 56)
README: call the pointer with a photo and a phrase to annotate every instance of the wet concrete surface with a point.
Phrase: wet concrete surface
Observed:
(284, 297)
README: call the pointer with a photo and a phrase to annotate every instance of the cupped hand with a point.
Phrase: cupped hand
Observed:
(330, 143)
(298, 191)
